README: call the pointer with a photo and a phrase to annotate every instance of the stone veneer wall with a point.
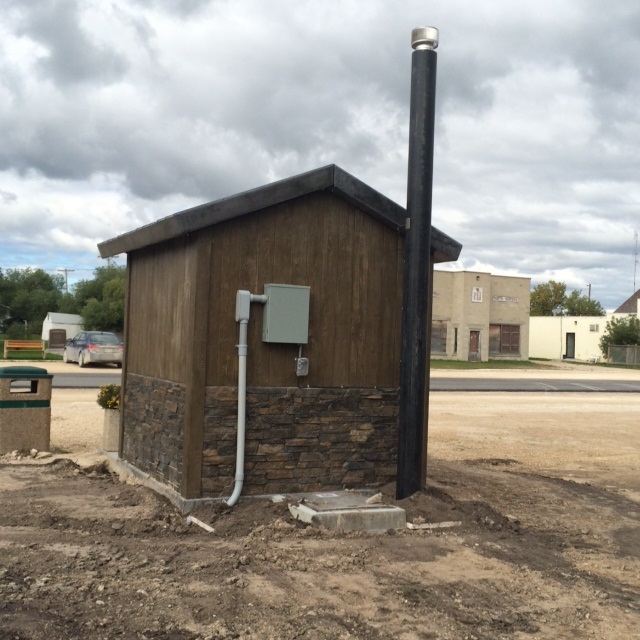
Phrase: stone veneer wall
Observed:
(153, 434)
(301, 439)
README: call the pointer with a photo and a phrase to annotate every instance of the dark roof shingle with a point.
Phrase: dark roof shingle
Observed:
(630, 305)
(330, 178)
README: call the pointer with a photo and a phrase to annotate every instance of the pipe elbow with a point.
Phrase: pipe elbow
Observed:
(235, 496)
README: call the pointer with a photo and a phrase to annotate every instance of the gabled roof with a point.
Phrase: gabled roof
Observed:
(630, 305)
(330, 178)
(64, 318)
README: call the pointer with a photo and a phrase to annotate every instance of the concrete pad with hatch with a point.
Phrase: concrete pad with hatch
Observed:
(346, 511)
(25, 409)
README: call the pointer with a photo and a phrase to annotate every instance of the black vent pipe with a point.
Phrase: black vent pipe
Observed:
(417, 293)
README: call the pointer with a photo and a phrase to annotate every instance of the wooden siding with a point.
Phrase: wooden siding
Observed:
(161, 309)
(353, 265)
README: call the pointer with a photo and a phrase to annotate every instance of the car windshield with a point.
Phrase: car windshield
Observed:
(104, 338)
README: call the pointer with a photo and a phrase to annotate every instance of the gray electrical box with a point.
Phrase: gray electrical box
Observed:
(302, 367)
(286, 314)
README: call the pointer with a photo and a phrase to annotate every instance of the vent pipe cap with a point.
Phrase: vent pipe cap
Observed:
(424, 38)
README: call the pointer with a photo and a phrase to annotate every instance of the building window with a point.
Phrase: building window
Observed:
(455, 341)
(504, 339)
(594, 327)
(438, 336)
(476, 294)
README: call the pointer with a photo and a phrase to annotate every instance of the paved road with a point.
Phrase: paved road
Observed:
(86, 380)
(540, 384)
(93, 379)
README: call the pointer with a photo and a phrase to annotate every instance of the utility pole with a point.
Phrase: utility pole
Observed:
(417, 289)
(66, 278)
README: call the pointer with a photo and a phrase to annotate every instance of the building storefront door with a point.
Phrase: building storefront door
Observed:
(474, 346)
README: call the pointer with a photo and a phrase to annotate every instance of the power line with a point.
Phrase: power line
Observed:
(66, 278)
(47, 269)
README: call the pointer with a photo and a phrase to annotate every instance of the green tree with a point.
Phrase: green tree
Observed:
(3, 285)
(69, 304)
(548, 299)
(103, 310)
(551, 299)
(620, 331)
(578, 305)
(31, 294)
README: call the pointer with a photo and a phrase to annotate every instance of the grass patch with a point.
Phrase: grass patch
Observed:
(33, 357)
(492, 364)
(604, 365)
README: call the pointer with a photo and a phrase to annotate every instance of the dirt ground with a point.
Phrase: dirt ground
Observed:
(545, 486)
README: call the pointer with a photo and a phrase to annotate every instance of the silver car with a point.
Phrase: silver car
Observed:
(94, 346)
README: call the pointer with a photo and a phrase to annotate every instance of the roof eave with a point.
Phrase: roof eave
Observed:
(206, 215)
(331, 178)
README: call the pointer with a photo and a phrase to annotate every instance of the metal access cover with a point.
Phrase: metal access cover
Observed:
(340, 500)
(346, 511)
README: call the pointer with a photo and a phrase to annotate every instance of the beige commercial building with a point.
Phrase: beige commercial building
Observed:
(479, 316)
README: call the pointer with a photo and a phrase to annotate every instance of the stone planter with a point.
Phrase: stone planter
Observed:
(111, 431)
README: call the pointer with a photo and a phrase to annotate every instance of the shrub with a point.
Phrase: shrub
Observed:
(620, 331)
(109, 396)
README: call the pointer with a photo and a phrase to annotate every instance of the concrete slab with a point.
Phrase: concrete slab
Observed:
(346, 511)
(339, 510)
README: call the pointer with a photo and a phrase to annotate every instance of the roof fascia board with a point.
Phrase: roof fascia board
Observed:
(444, 248)
(212, 213)
(330, 178)
(367, 199)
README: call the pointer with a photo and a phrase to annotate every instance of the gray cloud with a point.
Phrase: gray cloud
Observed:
(70, 53)
(135, 110)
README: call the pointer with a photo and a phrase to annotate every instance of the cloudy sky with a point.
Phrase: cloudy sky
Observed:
(114, 114)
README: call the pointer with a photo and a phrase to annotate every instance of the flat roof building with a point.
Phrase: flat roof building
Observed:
(479, 316)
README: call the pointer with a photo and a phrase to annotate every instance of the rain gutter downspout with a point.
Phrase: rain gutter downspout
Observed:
(243, 306)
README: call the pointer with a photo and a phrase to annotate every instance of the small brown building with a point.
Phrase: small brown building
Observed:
(336, 426)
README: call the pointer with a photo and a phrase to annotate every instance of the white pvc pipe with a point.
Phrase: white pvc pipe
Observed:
(242, 412)
(243, 305)
(203, 525)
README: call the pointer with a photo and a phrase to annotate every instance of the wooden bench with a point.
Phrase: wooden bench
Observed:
(22, 346)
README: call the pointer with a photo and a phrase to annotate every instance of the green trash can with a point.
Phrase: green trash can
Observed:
(25, 409)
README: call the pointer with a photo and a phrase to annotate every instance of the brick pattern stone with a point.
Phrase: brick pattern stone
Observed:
(154, 421)
(301, 439)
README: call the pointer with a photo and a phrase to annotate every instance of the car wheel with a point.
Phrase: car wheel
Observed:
(81, 362)
(65, 356)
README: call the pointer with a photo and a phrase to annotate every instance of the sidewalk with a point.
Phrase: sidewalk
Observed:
(57, 366)
(553, 370)
(549, 370)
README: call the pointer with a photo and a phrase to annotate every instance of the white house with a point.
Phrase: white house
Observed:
(630, 306)
(574, 337)
(571, 337)
(71, 323)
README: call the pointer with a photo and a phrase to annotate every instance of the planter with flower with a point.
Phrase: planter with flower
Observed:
(109, 400)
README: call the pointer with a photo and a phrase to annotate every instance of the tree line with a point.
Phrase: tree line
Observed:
(551, 299)
(27, 295)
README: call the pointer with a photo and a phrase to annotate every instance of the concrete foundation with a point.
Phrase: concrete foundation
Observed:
(111, 430)
(341, 510)
(347, 511)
